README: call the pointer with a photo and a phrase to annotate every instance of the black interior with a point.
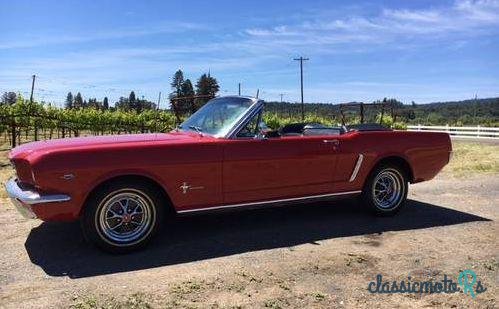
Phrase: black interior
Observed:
(314, 129)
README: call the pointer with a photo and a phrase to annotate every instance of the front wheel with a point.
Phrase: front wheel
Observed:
(385, 191)
(122, 217)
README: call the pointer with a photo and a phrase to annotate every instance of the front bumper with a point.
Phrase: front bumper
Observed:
(23, 198)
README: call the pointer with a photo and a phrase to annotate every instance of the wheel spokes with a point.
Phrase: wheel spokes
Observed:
(125, 217)
(386, 189)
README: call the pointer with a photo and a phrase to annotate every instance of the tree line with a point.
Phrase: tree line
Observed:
(484, 112)
(184, 98)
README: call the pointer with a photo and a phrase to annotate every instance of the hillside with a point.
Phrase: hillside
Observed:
(467, 112)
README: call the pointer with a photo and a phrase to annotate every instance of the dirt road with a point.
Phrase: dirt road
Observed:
(320, 255)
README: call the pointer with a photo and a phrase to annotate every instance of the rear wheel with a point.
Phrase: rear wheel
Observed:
(385, 191)
(123, 217)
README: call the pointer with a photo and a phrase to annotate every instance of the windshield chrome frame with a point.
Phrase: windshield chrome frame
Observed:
(255, 107)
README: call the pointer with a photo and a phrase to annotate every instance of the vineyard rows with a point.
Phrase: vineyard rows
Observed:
(24, 121)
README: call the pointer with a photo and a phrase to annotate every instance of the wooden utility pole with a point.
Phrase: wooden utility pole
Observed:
(301, 59)
(159, 100)
(239, 89)
(281, 94)
(32, 89)
(257, 93)
(31, 104)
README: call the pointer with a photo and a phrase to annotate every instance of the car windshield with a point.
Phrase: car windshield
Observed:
(217, 116)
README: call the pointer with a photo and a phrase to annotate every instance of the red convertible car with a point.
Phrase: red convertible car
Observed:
(122, 187)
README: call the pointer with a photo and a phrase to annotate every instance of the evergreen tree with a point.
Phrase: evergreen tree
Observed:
(206, 86)
(133, 102)
(176, 84)
(188, 92)
(122, 103)
(187, 89)
(9, 98)
(69, 101)
(132, 98)
(105, 103)
(93, 103)
(78, 101)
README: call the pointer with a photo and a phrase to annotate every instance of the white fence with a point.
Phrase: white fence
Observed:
(466, 132)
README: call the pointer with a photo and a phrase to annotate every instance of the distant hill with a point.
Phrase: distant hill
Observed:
(467, 112)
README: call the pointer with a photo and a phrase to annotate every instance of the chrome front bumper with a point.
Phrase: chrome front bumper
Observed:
(23, 198)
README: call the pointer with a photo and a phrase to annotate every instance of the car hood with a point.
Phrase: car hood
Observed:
(41, 147)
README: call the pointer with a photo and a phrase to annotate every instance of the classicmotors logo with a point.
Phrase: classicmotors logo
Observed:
(467, 282)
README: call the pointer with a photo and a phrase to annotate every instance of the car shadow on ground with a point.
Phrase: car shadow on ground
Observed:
(60, 250)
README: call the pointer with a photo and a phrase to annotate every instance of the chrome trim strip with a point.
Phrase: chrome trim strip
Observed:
(31, 197)
(357, 167)
(252, 110)
(269, 202)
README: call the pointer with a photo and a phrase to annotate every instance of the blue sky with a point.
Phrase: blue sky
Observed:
(359, 51)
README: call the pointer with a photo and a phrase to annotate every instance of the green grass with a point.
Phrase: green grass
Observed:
(473, 158)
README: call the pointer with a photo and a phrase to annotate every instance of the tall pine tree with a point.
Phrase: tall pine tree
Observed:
(206, 86)
(69, 101)
(188, 92)
(132, 101)
(78, 101)
(176, 85)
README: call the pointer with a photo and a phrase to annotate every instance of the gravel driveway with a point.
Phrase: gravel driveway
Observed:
(315, 255)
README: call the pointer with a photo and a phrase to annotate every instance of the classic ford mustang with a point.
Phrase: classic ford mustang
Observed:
(223, 156)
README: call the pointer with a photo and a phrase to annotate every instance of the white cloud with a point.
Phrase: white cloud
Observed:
(247, 52)
(418, 16)
(482, 10)
(463, 18)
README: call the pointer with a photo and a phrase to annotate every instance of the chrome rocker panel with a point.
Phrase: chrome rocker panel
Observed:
(269, 202)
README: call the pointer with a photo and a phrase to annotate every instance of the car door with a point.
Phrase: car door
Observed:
(264, 169)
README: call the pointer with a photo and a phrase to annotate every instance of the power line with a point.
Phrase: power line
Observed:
(301, 59)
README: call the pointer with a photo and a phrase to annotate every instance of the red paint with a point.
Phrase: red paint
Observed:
(230, 171)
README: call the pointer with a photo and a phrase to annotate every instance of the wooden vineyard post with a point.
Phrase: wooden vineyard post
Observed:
(13, 132)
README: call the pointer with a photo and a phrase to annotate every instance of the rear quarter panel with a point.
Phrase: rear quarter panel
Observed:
(426, 152)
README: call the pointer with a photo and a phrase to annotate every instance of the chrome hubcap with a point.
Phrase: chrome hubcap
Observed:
(387, 189)
(126, 217)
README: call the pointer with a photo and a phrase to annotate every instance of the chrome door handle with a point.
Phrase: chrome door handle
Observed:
(334, 142)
